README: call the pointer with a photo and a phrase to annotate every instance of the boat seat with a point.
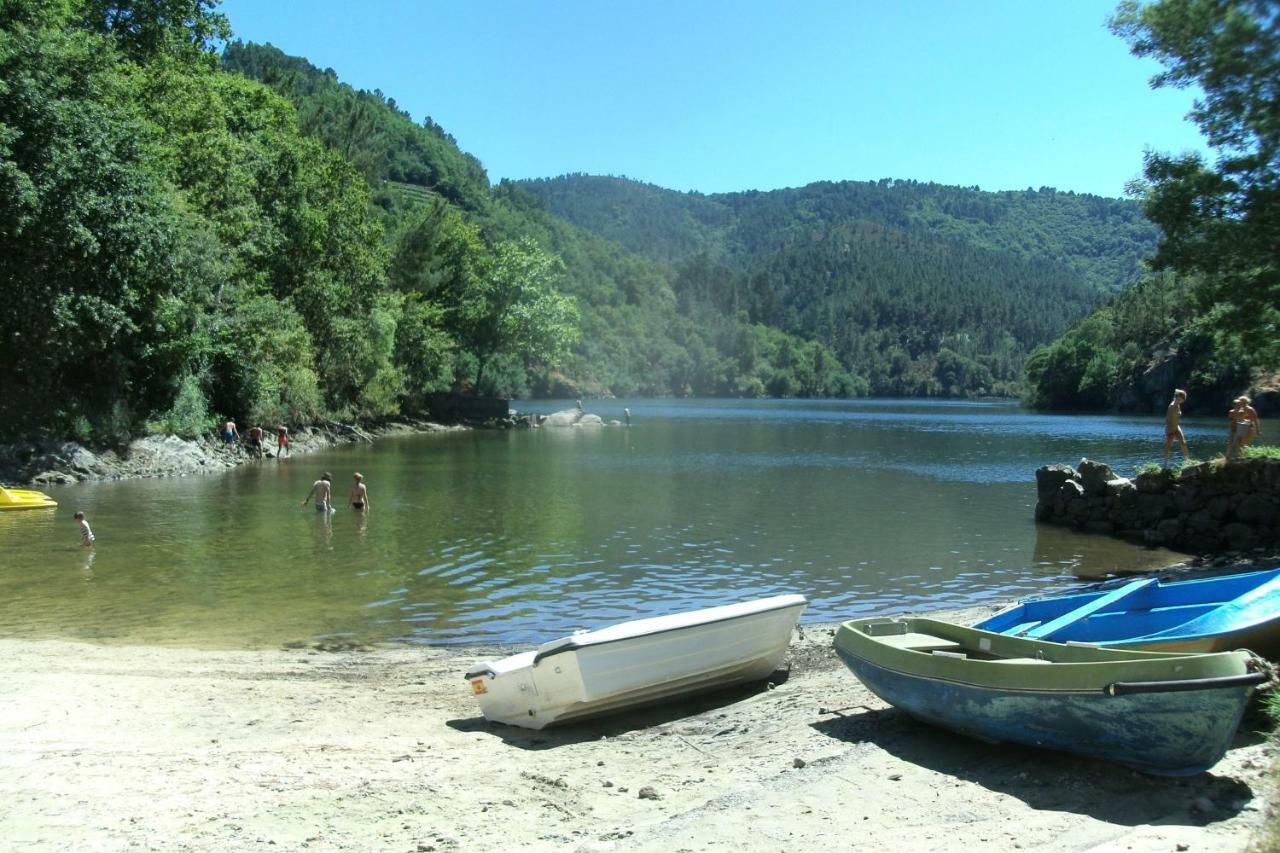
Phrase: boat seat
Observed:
(1020, 660)
(919, 642)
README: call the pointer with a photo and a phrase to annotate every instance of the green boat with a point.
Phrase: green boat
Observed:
(1161, 713)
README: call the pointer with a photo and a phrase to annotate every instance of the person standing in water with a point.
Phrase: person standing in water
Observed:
(359, 498)
(1173, 426)
(86, 535)
(282, 441)
(322, 491)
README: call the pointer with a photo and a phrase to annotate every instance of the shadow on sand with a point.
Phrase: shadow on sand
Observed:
(1044, 779)
(618, 723)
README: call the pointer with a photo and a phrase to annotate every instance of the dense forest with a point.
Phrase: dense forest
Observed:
(917, 289)
(1207, 318)
(193, 228)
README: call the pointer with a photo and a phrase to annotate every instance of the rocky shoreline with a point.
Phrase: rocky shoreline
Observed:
(65, 462)
(1207, 508)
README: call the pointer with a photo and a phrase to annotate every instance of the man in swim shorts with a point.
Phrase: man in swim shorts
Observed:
(282, 441)
(1173, 426)
(322, 491)
(255, 441)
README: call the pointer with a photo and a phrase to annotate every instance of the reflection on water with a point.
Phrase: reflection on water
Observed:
(870, 506)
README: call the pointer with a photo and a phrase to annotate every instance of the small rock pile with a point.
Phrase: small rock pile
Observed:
(1205, 508)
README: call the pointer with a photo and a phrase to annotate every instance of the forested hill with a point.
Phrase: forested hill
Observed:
(1101, 241)
(919, 289)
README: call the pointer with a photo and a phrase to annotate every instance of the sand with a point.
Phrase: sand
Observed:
(114, 748)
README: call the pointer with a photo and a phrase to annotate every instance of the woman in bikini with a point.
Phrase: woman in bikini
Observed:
(359, 498)
(1245, 426)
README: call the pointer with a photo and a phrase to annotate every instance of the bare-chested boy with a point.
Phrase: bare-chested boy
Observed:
(322, 490)
(1173, 426)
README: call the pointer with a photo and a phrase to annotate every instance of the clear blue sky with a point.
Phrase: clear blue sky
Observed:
(724, 95)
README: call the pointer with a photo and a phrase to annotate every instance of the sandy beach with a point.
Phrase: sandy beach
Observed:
(114, 748)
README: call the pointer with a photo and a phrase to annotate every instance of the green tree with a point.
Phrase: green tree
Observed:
(512, 307)
(1220, 221)
(144, 29)
(88, 231)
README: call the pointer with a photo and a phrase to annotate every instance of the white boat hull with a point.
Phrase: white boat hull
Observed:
(638, 663)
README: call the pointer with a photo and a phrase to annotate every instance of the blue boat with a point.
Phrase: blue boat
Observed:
(1209, 614)
(1167, 714)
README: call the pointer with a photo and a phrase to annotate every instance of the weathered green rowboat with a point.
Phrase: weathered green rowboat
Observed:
(1167, 714)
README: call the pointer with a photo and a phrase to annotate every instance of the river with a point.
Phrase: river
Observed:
(516, 536)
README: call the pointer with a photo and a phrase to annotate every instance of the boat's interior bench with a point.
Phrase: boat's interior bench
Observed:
(920, 642)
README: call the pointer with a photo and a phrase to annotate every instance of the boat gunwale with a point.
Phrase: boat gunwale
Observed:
(574, 643)
(1107, 689)
(1111, 664)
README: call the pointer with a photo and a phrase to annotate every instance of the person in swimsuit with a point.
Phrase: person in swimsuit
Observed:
(1245, 426)
(255, 441)
(229, 433)
(359, 498)
(1173, 426)
(322, 491)
(86, 535)
(282, 441)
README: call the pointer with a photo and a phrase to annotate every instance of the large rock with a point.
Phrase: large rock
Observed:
(1095, 476)
(1050, 478)
(1069, 494)
(1152, 508)
(568, 417)
(1121, 487)
(1169, 530)
(1240, 537)
(1256, 509)
(1153, 482)
(168, 455)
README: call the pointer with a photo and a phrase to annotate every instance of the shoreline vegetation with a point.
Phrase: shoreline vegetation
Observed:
(119, 746)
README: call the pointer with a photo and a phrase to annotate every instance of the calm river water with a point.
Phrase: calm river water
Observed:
(486, 536)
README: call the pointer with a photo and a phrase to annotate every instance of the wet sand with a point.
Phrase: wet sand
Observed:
(108, 748)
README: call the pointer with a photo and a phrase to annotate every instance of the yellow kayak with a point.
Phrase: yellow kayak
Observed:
(24, 499)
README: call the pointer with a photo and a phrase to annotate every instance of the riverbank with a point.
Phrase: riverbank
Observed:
(108, 747)
(64, 462)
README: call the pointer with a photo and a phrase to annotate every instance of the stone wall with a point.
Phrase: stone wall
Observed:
(1206, 508)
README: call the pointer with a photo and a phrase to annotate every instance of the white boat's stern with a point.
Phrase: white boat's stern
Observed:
(516, 692)
(505, 689)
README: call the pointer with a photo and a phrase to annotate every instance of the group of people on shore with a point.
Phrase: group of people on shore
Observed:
(256, 439)
(1243, 426)
(322, 493)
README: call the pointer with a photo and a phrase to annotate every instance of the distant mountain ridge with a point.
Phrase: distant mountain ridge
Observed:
(1102, 240)
(902, 280)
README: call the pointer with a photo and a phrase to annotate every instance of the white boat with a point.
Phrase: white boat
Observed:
(637, 663)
